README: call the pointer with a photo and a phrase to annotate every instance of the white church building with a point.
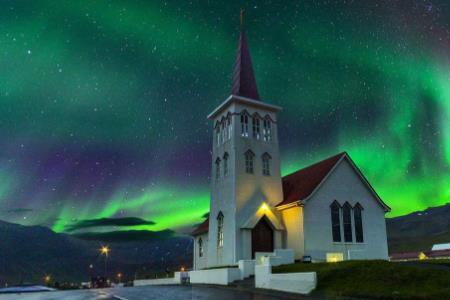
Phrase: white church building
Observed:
(327, 211)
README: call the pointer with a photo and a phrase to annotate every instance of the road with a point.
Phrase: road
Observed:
(153, 292)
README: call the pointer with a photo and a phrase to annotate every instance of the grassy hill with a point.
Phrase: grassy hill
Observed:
(378, 279)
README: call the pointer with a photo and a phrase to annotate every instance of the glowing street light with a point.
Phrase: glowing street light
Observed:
(104, 250)
(47, 279)
(119, 276)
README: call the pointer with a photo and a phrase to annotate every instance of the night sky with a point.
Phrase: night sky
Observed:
(103, 104)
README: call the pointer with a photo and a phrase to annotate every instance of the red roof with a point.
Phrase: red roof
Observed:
(405, 255)
(202, 228)
(438, 253)
(300, 184)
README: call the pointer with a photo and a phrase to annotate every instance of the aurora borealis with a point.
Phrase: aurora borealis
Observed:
(104, 103)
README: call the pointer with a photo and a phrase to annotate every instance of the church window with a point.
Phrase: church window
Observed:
(347, 217)
(249, 155)
(256, 129)
(200, 247)
(266, 164)
(218, 134)
(220, 230)
(225, 164)
(230, 128)
(336, 221)
(244, 124)
(357, 211)
(267, 130)
(217, 168)
(224, 132)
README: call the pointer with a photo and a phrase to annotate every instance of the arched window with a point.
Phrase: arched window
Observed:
(347, 218)
(255, 125)
(200, 247)
(244, 124)
(336, 221)
(224, 131)
(230, 128)
(266, 164)
(267, 130)
(220, 230)
(225, 164)
(249, 161)
(357, 211)
(218, 134)
(217, 168)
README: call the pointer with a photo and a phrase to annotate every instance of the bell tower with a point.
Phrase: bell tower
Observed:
(245, 177)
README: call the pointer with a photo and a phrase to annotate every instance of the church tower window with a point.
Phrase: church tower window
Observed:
(336, 221)
(357, 211)
(256, 129)
(267, 130)
(224, 132)
(266, 164)
(200, 247)
(217, 168)
(218, 134)
(249, 155)
(244, 124)
(230, 128)
(225, 164)
(347, 217)
(220, 230)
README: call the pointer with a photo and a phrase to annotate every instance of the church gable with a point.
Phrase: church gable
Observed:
(301, 185)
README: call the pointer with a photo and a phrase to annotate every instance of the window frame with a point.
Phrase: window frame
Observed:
(225, 164)
(200, 247)
(217, 163)
(220, 223)
(347, 222)
(266, 158)
(249, 162)
(244, 123)
(335, 209)
(358, 220)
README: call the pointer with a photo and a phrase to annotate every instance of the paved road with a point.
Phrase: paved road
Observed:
(150, 293)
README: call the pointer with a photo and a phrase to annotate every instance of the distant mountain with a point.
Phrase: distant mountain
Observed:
(28, 253)
(419, 230)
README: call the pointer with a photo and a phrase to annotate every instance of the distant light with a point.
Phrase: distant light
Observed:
(47, 278)
(104, 250)
(182, 269)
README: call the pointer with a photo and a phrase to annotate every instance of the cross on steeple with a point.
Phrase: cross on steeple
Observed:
(244, 83)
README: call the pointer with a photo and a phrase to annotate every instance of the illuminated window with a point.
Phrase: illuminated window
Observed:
(220, 230)
(249, 155)
(357, 212)
(218, 134)
(256, 129)
(200, 247)
(224, 132)
(266, 164)
(347, 218)
(267, 130)
(225, 164)
(230, 128)
(336, 221)
(244, 124)
(217, 168)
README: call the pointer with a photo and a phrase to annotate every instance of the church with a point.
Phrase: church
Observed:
(327, 211)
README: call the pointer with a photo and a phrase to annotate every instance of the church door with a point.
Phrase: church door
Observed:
(262, 237)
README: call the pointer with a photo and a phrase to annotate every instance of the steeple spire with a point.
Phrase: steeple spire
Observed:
(244, 83)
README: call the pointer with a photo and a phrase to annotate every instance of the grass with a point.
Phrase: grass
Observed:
(375, 280)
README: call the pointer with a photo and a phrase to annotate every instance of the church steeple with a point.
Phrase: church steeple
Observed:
(244, 83)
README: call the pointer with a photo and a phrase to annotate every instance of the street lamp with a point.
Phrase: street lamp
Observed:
(119, 276)
(47, 279)
(104, 250)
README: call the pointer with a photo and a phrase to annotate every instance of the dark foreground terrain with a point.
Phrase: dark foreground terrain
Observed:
(154, 293)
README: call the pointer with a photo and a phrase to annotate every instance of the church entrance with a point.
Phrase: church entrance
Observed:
(262, 237)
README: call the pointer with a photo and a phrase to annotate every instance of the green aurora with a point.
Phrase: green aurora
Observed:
(103, 104)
